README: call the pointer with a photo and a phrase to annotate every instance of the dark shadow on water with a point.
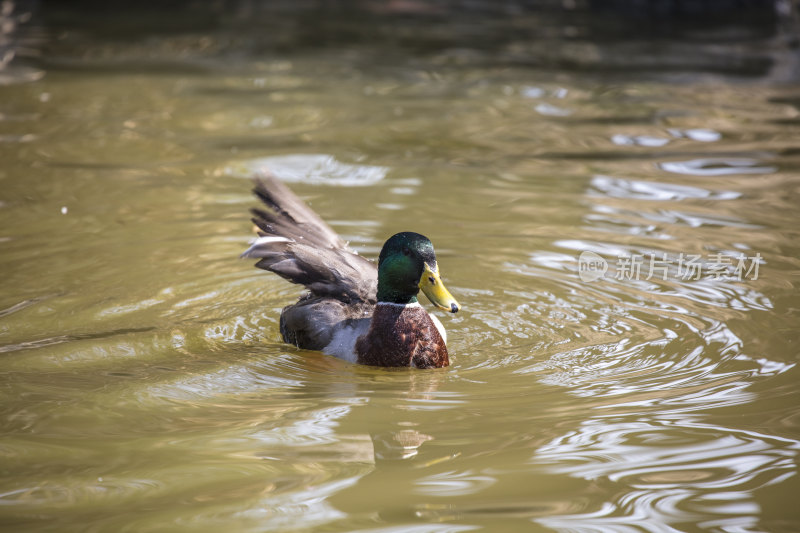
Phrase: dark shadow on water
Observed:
(59, 339)
(667, 38)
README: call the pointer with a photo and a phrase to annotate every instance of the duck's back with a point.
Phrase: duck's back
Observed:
(326, 324)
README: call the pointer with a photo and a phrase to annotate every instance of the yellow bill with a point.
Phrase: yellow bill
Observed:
(431, 284)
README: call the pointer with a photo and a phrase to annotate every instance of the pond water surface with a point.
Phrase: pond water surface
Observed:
(649, 384)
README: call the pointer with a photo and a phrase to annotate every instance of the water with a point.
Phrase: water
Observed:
(144, 384)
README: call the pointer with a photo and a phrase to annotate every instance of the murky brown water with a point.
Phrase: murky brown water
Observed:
(144, 384)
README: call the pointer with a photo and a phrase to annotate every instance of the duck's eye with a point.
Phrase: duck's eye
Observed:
(406, 251)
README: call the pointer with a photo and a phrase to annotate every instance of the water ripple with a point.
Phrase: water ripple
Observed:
(454, 483)
(657, 191)
(710, 470)
(320, 169)
(717, 166)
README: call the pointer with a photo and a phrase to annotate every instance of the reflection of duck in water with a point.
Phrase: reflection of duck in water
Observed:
(353, 310)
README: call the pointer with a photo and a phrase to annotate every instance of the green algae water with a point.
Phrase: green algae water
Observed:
(618, 219)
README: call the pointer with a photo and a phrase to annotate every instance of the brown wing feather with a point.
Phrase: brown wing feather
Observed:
(295, 243)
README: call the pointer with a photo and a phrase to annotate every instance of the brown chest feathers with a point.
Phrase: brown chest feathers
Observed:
(402, 336)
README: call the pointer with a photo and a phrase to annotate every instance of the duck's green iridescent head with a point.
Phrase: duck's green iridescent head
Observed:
(407, 263)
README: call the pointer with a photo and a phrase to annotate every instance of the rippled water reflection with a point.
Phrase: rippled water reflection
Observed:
(145, 386)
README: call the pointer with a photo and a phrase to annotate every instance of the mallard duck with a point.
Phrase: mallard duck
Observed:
(353, 310)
